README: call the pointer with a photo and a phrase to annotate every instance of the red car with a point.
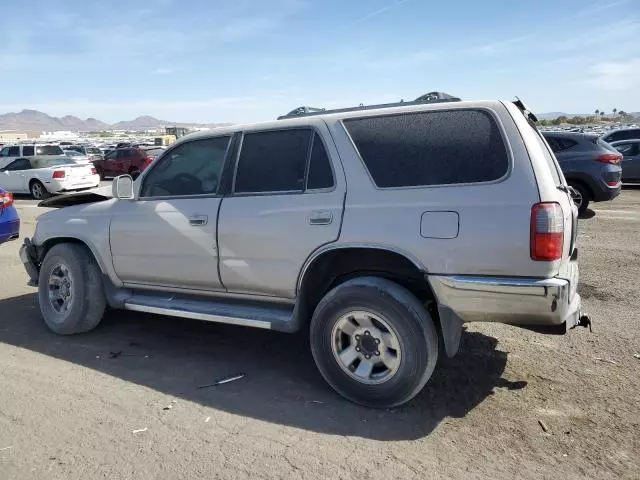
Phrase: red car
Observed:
(123, 161)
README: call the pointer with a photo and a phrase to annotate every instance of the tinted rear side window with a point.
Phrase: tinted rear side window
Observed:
(28, 151)
(273, 161)
(430, 148)
(320, 173)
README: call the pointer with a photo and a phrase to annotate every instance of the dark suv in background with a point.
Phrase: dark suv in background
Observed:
(621, 134)
(123, 161)
(590, 165)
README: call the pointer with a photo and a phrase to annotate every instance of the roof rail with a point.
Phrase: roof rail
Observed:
(431, 97)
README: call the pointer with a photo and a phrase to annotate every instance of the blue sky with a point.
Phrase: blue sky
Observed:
(249, 60)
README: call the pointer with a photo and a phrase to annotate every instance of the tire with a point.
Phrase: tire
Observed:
(583, 198)
(135, 173)
(38, 190)
(406, 319)
(86, 297)
(100, 173)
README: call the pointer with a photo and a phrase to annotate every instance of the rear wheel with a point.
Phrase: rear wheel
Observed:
(38, 190)
(374, 342)
(70, 289)
(581, 196)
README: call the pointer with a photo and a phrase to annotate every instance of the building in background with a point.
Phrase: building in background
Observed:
(12, 136)
(59, 135)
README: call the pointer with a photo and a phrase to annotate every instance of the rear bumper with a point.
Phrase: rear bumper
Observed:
(71, 184)
(552, 302)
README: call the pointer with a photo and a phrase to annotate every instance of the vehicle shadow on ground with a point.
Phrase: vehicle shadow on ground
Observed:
(587, 214)
(282, 385)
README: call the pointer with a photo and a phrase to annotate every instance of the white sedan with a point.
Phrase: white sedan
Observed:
(45, 175)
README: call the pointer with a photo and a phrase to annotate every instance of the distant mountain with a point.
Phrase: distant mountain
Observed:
(35, 121)
(144, 122)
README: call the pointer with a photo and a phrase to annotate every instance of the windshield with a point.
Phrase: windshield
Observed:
(49, 150)
(93, 151)
(72, 153)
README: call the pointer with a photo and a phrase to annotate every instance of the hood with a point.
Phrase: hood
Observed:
(99, 194)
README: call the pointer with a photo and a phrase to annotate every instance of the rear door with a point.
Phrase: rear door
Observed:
(286, 201)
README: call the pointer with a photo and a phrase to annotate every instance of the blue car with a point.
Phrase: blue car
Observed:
(9, 220)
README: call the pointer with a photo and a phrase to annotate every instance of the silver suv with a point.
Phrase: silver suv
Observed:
(381, 230)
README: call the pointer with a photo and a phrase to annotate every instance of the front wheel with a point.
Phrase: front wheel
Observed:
(70, 289)
(374, 342)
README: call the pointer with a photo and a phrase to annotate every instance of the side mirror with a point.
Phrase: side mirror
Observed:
(122, 187)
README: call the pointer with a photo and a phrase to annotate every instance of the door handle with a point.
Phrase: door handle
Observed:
(320, 218)
(198, 220)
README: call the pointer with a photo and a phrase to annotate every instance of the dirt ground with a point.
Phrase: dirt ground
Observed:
(512, 404)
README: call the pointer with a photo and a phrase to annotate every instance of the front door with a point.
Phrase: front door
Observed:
(108, 164)
(167, 236)
(630, 160)
(13, 178)
(286, 202)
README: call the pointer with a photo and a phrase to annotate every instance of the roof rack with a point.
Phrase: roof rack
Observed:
(431, 97)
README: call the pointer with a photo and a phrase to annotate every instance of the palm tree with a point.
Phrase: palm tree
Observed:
(614, 111)
(597, 112)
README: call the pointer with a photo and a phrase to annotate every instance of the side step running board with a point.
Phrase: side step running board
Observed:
(256, 315)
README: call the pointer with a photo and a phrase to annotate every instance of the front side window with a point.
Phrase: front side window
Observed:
(192, 168)
(628, 149)
(28, 150)
(14, 152)
(111, 155)
(20, 164)
(273, 161)
(430, 148)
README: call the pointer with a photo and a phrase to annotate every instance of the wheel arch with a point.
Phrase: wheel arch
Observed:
(333, 266)
(49, 243)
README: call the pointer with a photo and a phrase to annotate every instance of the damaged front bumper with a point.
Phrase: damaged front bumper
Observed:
(28, 256)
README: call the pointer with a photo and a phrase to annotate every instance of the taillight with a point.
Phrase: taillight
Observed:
(547, 231)
(59, 174)
(94, 171)
(147, 160)
(613, 183)
(613, 158)
(6, 199)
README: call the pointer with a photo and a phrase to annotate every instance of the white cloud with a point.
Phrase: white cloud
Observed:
(379, 11)
(616, 76)
(163, 71)
(499, 46)
(411, 60)
(600, 7)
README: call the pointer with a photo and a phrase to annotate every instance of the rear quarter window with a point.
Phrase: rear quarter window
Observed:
(430, 148)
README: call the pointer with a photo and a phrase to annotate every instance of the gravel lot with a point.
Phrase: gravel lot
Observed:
(69, 410)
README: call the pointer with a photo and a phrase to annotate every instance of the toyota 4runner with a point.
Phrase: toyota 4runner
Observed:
(381, 230)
